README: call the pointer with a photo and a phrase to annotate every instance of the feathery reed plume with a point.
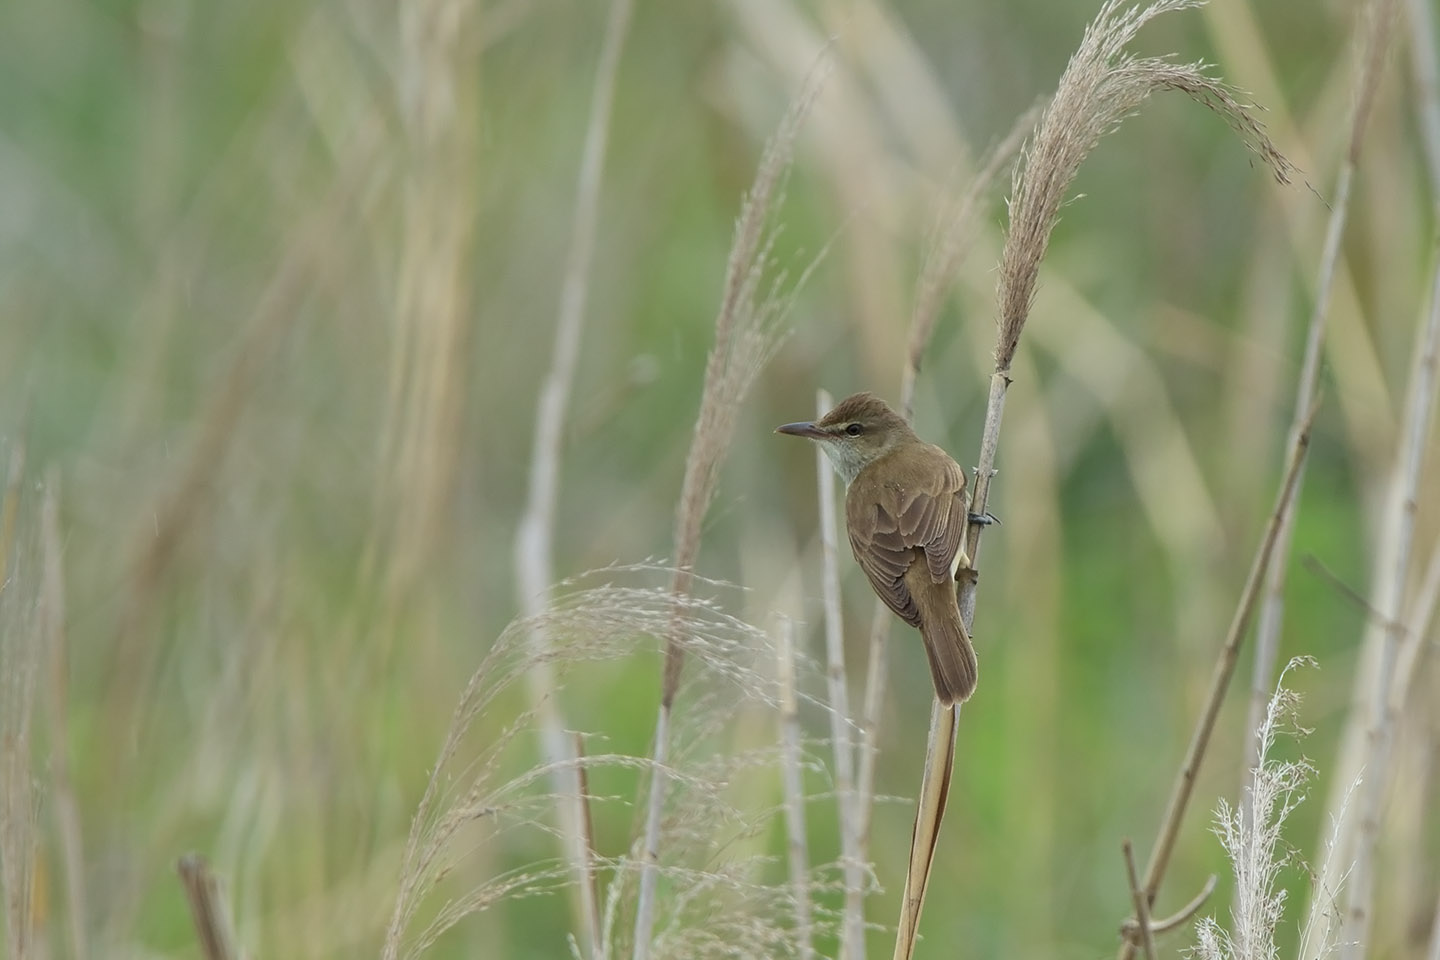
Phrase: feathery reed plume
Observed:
(853, 929)
(208, 910)
(471, 801)
(1101, 85)
(19, 665)
(65, 807)
(792, 777)
(1415, 430)
(954, 233)
(1253, 841)
(748, 329)
(1378, 16)
(1220, 677)
(535, 537)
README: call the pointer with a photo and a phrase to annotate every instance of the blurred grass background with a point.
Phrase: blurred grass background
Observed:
(278, 284)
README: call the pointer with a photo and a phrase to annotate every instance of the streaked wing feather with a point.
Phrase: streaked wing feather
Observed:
(888, 524)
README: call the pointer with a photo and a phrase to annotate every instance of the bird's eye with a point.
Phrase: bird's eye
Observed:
(854, 429)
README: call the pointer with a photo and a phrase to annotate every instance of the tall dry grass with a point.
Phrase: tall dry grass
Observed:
(309, 516)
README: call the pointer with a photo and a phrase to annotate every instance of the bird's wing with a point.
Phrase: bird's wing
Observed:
(888, 522)
(935, 518)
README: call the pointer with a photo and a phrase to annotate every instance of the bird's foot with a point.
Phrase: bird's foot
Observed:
(984, 519)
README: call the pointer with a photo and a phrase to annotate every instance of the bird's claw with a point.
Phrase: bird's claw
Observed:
(984, 519)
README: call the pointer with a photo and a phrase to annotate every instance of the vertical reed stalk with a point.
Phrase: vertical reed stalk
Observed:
(1379, 16)
(535, 537)
(793, 782)
(1419, 409)
(852, 935)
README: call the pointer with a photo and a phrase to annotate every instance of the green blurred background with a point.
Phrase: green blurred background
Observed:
(278, 286)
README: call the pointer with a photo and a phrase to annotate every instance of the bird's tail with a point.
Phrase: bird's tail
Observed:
(947, 643)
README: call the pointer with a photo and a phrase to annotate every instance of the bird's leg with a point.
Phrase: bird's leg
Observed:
(986, 518)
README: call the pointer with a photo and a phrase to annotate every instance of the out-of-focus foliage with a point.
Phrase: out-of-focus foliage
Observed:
(278, 283)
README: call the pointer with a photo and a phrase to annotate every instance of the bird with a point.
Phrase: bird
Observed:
(905, 513)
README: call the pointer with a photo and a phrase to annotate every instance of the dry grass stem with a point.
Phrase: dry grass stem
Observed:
(1254, 842)
(19, 665)
(1371, 48)
(853, 935)
(1433, 951)
(591, 895)
(65, 807)
(793, 780)
(1224, 669)
(208, 910)
(876, 673)
(1415, 430)
(434, 190)
(929, 813)
(535, 537)
(1130, 930)
(1142, 909)
(748, 328)
(473, 799)
(1425, 67)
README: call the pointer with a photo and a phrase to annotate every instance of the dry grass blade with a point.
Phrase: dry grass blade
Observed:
(748, 329)
(534, 539)
(1379, 17)
(1223, 671)
(66, 807)
(1409, 461)
(794, 787)
(19, 666)
(207, 909)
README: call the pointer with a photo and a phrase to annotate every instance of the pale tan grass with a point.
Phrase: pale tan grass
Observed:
(754, 303)
(21, 643)
(535, 536)
(1252, 834)
(65, 806)
(1372, 46)
(1390, 601)
(470, 801)
(1352, 353)
(437, 154)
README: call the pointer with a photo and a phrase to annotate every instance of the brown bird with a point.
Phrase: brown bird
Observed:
(906, 516)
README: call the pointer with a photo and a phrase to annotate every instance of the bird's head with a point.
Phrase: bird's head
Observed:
(860, 430)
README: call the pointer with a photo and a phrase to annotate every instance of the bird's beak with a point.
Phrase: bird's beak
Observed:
(808, 430)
